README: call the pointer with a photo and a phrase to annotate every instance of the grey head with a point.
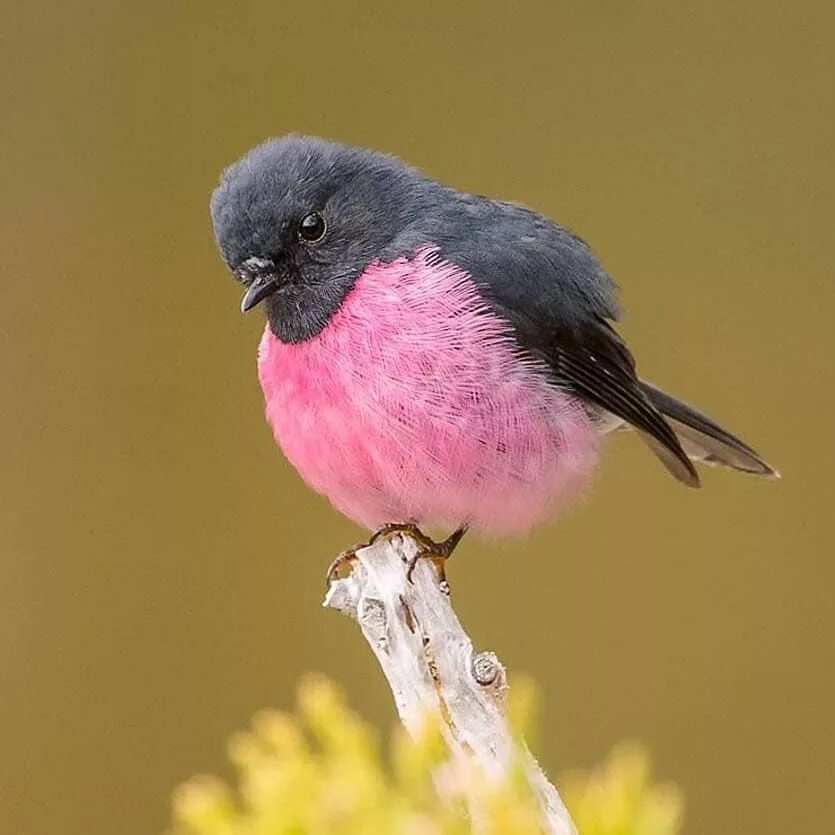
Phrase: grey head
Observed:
(298, 219)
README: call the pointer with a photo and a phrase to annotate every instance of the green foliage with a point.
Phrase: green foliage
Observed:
(323, 771)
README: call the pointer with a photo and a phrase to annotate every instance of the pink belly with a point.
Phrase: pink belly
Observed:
(413, 404)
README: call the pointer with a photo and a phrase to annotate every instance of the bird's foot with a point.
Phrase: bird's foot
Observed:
(436, 552)
(349, 556)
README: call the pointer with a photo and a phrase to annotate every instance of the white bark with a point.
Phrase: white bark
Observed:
(430, 665)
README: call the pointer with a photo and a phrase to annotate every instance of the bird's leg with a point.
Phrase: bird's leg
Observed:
(437, 553)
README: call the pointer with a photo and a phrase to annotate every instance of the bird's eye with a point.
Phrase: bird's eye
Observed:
(312, 228)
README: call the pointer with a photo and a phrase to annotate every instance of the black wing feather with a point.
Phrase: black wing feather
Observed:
(595, 365)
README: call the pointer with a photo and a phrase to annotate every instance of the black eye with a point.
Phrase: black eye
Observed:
(312, 228)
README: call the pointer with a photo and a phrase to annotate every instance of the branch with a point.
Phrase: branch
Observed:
(431, 667)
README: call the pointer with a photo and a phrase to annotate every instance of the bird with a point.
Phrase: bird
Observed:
(434, 358)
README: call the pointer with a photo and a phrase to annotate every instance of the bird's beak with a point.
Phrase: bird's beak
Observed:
(261, 287)
(260, 276)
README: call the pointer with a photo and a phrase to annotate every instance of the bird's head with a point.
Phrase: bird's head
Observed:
(297, 219)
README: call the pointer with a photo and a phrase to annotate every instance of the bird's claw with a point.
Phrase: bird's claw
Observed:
(437, 553)
(347, 557)
(438, 561)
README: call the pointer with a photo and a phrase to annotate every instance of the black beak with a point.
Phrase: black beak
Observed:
(261, 287)
(261, 280)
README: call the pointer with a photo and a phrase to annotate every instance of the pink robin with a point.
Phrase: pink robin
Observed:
(432, 357)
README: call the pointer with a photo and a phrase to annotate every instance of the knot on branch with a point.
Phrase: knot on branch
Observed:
(487, 670)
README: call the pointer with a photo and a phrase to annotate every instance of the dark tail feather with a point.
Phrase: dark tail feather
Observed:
(704, 440)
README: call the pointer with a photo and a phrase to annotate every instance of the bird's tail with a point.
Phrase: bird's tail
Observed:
(703, 439)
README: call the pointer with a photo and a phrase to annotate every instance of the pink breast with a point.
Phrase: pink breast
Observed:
(414, 404)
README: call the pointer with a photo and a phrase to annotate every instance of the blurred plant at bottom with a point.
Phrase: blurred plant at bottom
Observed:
(323, 771)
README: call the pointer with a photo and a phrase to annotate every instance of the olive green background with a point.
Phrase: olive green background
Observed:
(161, 565)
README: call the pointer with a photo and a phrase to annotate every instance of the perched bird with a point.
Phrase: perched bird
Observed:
(433, 357)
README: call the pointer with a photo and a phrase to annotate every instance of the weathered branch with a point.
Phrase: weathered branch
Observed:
(431, 666)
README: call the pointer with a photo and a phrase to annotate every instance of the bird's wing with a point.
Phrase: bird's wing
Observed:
(549, 285)
(595, 364)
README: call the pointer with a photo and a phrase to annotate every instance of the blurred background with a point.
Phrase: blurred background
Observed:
(161, 566)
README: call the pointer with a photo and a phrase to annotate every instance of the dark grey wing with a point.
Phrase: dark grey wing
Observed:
(593, 363)
(549, 285)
